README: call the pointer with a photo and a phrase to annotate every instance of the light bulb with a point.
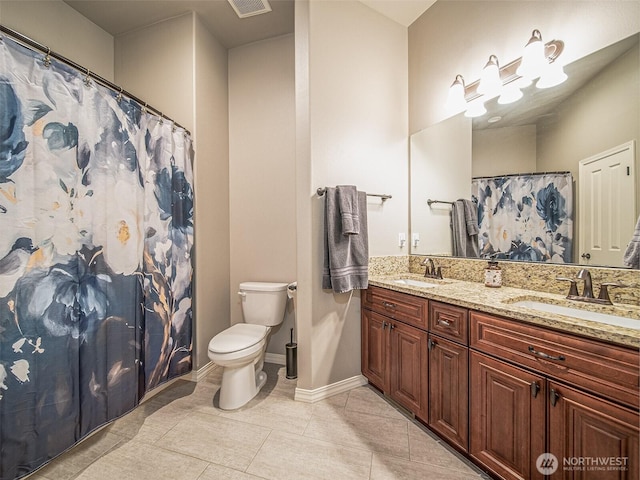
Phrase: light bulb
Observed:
(533, 58)
(476, 108)
(455, 100)
(553, 75)
(510, 93)
(490, 83)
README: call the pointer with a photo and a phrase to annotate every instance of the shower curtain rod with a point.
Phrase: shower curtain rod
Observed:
(522, 175)
(102, 81)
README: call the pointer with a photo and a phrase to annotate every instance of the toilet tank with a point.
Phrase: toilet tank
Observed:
(263, 303)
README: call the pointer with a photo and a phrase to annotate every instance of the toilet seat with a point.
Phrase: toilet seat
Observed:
(240, 336)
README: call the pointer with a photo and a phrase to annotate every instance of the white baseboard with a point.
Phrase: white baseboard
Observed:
(197, 375)
(275, 358)
(311, 396)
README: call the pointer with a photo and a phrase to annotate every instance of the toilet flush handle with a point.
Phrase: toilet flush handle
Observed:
(242, 294)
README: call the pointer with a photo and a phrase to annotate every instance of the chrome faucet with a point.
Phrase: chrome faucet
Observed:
(431, 271)
(587, 291)
(585, 275)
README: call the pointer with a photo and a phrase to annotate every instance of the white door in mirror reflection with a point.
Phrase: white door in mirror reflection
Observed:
(607, 205)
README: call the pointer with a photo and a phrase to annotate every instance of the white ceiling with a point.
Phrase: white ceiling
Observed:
(405, 12)
(120, 16)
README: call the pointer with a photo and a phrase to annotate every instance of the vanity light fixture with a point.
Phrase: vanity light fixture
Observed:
(533, 58)
(490, 83)
(539, 61)
(553, 75)
(456, 101)
(475, 108)
(510, 93)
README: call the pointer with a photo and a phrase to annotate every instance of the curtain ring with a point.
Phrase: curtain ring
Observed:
(119, 96)
(87, 78)
(144, 109)
(161, 118)
(47, 59)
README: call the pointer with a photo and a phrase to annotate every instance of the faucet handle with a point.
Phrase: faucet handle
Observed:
(573, 289)
(604, 290)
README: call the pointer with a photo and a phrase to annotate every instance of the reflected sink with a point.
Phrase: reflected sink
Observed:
(415, 283)
(579, 313)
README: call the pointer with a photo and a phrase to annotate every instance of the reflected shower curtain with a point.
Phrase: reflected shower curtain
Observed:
(526, 217)
(96, 234)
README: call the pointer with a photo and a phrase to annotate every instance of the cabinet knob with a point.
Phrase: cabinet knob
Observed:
(431, 345)
(554, 396)
(384, 325)
(391, 326)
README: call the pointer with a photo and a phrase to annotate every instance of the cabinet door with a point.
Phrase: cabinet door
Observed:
(507, 417)
(592, 438)
(374, 348)
(449, 390)
(408, 358)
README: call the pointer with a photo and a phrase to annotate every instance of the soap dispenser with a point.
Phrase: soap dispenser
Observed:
(493, 275)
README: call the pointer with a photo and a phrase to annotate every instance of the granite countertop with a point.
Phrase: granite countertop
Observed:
(499, 301)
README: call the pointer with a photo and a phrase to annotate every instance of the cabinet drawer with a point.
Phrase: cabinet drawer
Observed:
(448, 321)
(399, 306)
(607, 370)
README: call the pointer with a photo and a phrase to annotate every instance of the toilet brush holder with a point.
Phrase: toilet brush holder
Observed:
(292, 358)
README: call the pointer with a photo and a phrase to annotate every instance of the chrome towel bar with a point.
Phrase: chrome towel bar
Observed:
(383, 196)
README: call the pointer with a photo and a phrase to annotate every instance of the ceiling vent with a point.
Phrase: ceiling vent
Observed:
(249, 8)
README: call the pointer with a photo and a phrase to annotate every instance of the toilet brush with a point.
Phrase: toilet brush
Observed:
(292, 358)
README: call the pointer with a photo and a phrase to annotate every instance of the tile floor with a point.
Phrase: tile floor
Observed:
(180, 434)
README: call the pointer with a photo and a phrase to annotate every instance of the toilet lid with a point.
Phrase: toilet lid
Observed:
(237, 337)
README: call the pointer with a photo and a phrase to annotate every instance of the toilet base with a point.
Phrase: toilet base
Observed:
(239, 385)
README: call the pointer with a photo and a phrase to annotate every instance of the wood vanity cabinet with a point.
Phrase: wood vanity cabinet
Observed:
(582, 426)
(505, 391)
(573, 397)
(449, 373)
(394, 353)
(507, 417)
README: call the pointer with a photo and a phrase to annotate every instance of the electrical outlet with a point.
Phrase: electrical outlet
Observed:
(402, 239)
(415, 239)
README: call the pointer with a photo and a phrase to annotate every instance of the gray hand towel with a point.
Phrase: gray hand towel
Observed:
(631, 257)
(464, 243)
(349, 212)
(471, 217)
(346, 257)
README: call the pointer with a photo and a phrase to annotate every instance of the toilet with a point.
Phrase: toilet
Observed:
(240, 349)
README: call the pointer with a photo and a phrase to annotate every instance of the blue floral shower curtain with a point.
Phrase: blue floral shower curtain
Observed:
(526, 217)
(96, 233)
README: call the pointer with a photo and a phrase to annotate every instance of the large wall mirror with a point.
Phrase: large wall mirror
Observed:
(569, 128)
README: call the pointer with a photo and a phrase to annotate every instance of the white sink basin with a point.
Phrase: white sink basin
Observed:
(415, 283)
(579, 313)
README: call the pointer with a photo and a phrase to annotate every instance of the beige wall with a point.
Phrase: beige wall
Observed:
(156, 65)
(503, 151)
(440, 170)
(352, 129)
(211, 167)
(262, 171)
(598, 117)
(55, 24)
(171, 64)
(457, 37)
